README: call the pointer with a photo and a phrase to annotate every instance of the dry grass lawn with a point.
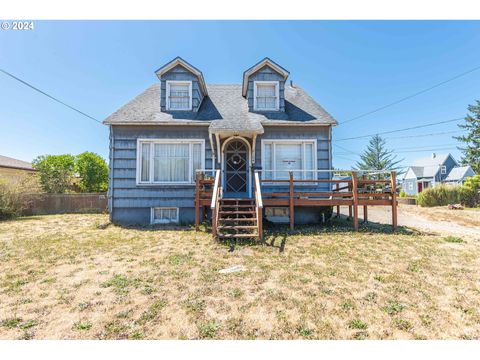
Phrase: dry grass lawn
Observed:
(69, 277)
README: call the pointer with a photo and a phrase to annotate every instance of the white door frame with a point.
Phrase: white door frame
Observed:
(249, 163)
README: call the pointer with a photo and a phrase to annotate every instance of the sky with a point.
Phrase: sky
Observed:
(349, 67)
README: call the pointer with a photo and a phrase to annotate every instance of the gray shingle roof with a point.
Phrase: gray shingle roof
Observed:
(430, 164)
(9, 162)
(224, 108)
(458, 173)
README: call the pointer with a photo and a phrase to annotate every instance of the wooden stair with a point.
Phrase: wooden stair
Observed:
(237, 219)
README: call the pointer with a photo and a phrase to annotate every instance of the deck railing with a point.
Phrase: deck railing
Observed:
(359, 188)
(204, 189)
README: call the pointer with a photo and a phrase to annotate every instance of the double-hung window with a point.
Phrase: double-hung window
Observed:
(279, 157)
(169, 161)
(266, 95)
(443, 170)
(179, 95)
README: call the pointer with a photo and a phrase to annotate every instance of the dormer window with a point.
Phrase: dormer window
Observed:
(179, 95)
(266, 96)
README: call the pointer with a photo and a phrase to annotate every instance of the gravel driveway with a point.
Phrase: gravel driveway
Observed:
(441, 220)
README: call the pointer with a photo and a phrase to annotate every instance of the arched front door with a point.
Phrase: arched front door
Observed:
(236, 168)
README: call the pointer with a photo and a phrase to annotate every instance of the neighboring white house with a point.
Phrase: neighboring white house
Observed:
(433, 170)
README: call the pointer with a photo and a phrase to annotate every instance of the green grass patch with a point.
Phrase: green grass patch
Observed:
(82, 326)
(393, 307)
(453, 239)
(357, 324)
(208, 330)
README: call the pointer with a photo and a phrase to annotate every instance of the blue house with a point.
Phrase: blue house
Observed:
(181, 125)
(436, 169)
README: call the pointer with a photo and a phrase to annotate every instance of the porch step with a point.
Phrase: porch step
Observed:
(236, 236)
(236, 206)
(237, 227)
(237, 219)
(236, 212)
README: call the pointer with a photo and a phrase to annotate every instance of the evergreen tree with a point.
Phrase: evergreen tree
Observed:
(471, 151)
(377, 156)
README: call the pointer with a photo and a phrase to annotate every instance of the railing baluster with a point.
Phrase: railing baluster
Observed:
(292, 214)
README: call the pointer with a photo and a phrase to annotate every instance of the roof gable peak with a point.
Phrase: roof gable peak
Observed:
(179, 61)
(264, 62)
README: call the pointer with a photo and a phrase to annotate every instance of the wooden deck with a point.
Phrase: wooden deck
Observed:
(360, 190)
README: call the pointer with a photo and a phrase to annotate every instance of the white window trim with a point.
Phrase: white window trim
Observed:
(443, 170)
(277, 95)
(290, 141)
(167, 95)
(152, 215)
(168, 141)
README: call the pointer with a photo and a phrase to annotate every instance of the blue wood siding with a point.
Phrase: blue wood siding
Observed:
(131, 203)
(266, 73)
(324, 161)
(181, 74)
(450, 164)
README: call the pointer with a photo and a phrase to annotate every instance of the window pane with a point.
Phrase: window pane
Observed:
(165, 215)
(288, 157)
(309, 165)
(170, 162)
(179, 96)
(266, 96)
(145, 162)
(268, 159)
(197, 158)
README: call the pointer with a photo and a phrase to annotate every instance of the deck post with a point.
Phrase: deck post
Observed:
(292, 214)
(260, 223)
(394, 200)
(365, 214)
(197, 201)
(355, 199)
(338, 206)
(350, 189)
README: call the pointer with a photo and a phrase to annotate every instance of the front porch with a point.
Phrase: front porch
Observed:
(357, 191)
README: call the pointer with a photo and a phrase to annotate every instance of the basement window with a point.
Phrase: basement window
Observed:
(164, 215)
(277, 214)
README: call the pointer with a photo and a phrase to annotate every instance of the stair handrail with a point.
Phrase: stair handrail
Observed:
(216, 196)
(258, 204)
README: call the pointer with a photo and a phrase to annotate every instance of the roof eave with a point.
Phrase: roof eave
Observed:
(179, 61)
(258, 66)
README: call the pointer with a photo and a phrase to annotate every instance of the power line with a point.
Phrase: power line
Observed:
(50, 96)
(410, 96)
(399, 130)
(345, 149)
(424, 146)
(436, 149)
(424, 135)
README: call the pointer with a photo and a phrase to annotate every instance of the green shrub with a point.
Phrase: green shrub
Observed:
(16, 195)
(402, 194)
(470, 191)
(439, 196)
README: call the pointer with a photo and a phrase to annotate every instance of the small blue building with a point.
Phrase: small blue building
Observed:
(181, 124)
(430, 171)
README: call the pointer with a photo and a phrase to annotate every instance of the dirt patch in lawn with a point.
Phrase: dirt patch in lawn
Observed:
(68, 277)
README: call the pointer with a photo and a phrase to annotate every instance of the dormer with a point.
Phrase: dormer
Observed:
(182, 86)
(264, 86)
